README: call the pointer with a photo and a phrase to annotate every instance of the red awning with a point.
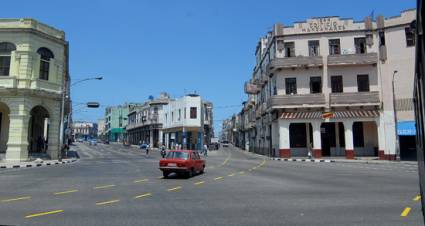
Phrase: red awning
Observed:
(336, 114)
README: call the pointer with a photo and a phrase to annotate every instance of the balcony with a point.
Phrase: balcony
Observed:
(297, 100)
(251, 88)
(354, 99)
(293, 62)
(353, 59)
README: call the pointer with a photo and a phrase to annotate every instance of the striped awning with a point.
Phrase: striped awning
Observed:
(336, 114)
(301, 115)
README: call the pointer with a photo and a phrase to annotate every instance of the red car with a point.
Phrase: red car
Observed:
(184, 162)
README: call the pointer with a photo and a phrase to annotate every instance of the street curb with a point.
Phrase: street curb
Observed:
(303, 160)
(33, 164)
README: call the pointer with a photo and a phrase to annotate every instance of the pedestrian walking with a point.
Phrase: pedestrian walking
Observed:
(205, 150)
(147, 149)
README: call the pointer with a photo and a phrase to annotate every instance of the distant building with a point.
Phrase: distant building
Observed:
(34, 75)
(84, 130)
(116, 118)
(145, 121)
(101, 128)
(188, 122)
(324, 86)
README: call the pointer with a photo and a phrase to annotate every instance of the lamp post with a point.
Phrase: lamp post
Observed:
(397, 147)
(65, 87)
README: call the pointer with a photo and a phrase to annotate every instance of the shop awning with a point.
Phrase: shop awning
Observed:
(334, 115)
(407, 128)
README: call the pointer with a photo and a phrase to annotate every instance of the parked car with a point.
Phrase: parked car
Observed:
(93, 142)
(182, 162)
(225, 143)
(106, 141)
(80, 140)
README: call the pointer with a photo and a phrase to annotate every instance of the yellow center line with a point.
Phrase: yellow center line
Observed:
(417, 198)
(143, 195)
(107, 202)
(231, 175)
(174, 189)
(139, 181)
(16, 199)
(44, 213)
(104, 186)
(241, 172)
(405, 212)
(218, 178)
(199, 183)
(65, 192)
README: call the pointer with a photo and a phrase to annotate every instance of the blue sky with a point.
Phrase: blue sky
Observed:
(145, 47)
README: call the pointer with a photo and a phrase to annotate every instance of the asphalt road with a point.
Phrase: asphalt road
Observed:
(114, 185)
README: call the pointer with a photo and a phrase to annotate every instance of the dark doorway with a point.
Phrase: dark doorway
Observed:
(327, 132)
(407, 148)
(38, 130)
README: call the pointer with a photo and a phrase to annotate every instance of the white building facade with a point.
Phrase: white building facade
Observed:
(145, 121)
(324, 87)
(187, 122)
(84, 130)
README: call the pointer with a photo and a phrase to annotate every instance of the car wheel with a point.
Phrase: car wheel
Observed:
(165, 174)
(190, 173)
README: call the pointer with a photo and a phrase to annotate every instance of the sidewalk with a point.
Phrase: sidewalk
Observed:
(363, 160)
(342, 159)
(37, 161)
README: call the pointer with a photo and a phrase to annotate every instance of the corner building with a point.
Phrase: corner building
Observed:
(325, 86)
(33, 74)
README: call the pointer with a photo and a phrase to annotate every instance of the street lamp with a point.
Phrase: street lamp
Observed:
(65, 87)
(397, 148)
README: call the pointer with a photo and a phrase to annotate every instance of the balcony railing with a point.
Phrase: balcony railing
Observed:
(353, 59)
(297, 100)
(358, 98)
(298, 61)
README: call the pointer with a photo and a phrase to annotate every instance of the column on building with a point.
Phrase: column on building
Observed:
(151, 137)
(54, 132)
(317, 140)
(349, 140)
(381, 139)
(284, 144)
(17, 145)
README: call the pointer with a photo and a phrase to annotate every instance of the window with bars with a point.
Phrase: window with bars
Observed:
(291, 85)
(336, 84)
(313, 48)
(363, 83)
(334, 47)
(360, 44)
(410, 36)
(316, 84)
(289, 49)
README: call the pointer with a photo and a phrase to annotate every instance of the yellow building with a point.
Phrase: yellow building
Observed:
(33, 71)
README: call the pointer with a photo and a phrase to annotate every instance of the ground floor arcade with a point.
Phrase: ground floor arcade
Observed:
(347, 134)
(191, 138)
(29, 126)
(149, 134)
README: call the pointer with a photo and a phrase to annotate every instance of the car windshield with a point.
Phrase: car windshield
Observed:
(177, 155)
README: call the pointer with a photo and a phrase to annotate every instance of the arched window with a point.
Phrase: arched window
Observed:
(5, 50)
(45, 56)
